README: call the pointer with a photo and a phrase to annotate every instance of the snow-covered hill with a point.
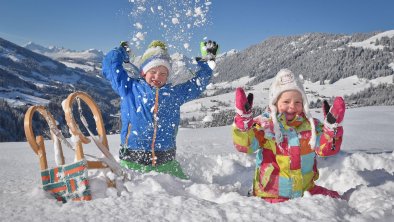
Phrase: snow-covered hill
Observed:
(87, 60)
(32, 78)
(371, 43)
(206, 106)
(219, 180)
(317, 56)
(28, 78)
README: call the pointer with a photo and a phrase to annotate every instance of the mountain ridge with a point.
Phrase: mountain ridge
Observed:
(29, 78)
(317, 56)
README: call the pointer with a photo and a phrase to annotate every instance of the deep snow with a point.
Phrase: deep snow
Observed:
(219, 180)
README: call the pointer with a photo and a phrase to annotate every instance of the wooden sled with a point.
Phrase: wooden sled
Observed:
(37, 142)
(66, 181)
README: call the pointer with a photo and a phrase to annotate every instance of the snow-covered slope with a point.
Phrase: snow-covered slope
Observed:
(370, 43)
(317, 56)
(219, 180)
(32, 78)
(204, 106)
(87, 60)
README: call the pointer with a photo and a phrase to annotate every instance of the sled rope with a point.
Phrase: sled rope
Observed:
(156, 107)
(111, 161)
(58, 133)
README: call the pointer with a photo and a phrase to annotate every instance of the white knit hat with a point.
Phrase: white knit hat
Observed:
(285, 80)
(155, 55)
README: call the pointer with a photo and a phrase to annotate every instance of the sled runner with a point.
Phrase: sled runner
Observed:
(64, 182)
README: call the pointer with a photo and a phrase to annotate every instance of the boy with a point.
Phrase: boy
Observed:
(150, 108)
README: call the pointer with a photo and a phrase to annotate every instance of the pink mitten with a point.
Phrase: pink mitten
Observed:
(333, 131)
(334, 115)
(243, 105)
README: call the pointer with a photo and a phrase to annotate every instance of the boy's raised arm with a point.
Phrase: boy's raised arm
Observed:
(193, 88)
(113, 67)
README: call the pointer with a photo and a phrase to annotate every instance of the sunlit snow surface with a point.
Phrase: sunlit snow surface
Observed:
(219, 180)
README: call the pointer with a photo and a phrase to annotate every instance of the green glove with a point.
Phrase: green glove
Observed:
(208, 50)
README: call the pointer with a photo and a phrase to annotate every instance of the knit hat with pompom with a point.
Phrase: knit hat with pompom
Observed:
(285, 80)
(155, 55)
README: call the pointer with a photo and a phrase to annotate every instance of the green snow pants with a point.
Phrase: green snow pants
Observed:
(171, 167)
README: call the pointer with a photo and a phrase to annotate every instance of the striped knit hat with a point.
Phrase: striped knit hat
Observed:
(155, 55)
(285, 80)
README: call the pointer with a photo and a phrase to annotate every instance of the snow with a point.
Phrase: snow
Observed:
(391, 65)
(314, 91)
(70, 58)
(138, 25)
(16, 98)
(59, 53)
(49, 64)
(207, 119)
(219, 180)
(140, 36)
(176, 22)
(370, 42)
(80, 66)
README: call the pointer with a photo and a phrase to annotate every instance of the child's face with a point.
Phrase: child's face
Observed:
(157, 76)
(290, 103)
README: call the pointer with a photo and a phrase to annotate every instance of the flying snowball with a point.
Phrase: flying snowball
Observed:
(141, 9)
(140, 36)
(175, 21)
(197, 12)
(189, 13)
(138, 25)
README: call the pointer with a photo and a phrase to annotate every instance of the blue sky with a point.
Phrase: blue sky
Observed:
(101, 24)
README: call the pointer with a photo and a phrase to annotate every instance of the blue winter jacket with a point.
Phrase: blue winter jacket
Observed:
(138, 100)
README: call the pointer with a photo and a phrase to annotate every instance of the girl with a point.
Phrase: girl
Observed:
(287, 139)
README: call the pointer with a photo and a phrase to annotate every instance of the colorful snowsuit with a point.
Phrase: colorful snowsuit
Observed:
(138, 100)
(286, 171)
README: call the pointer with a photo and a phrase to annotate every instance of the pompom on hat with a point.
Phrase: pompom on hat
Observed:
(155, 55)
(285, 80)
